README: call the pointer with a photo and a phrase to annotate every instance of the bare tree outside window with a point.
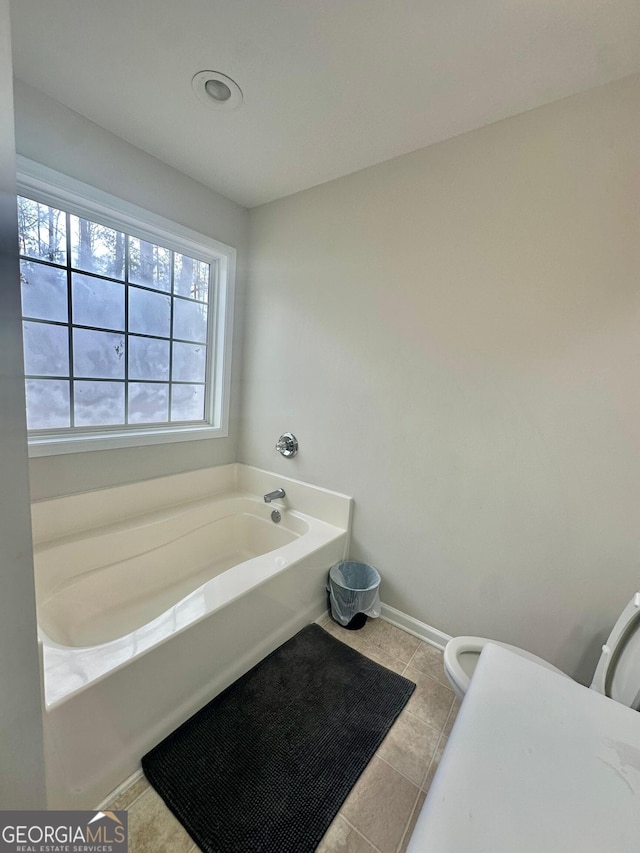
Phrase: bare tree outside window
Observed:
(42, 231)
(116, 328)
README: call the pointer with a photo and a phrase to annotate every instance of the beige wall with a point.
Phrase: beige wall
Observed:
(454, 336)
(53, 135)
(21, 750)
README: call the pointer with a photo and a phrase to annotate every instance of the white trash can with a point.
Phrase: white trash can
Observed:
(354, 593)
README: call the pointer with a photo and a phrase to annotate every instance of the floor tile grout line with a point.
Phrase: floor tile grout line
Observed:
(386, 652)
(433, 758)
(449, 714)
(362, 648)
(400, 773)
(415, 652)
(418, 717)
(405, 665)
(440, 679)
(418, 641)
(405, 710)
(440, 739)
(377, 648)
(360, 643)
(443, 683)
(408, 823)
(388, 655)
(382, 648)
(361, 834)
(426, 775)
(429, 763)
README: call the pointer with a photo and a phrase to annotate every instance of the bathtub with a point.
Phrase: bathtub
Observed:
(155, 596)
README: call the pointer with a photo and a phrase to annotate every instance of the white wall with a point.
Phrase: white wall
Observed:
(50, 133)
(21, 751)
(454, 336)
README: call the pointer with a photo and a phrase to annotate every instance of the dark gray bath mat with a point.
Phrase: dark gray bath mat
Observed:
(265, 766)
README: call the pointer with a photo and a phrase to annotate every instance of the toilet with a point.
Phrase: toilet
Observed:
(617, 674)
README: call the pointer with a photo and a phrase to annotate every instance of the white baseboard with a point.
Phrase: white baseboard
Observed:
(413, 626)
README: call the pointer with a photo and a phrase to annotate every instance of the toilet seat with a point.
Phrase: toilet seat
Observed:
(461, 656)
(618, 672)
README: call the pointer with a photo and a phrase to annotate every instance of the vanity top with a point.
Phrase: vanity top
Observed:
(536, 763)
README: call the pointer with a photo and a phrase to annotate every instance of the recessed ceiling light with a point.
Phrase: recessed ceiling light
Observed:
(217, 90)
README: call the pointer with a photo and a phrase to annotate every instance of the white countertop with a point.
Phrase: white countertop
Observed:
(536, 763)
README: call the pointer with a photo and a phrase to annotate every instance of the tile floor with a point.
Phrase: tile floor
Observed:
(379, 813)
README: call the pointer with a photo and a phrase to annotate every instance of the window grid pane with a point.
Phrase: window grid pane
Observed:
(42, 231)
(95, 248)
(79, 354)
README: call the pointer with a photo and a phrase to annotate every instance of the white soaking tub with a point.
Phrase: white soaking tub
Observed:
(153, 597)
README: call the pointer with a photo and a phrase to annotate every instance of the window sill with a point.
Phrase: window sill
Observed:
(55, 445)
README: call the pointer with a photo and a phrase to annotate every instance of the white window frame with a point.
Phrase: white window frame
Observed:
(61, 191)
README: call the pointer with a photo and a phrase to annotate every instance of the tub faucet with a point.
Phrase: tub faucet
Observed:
(272, 496)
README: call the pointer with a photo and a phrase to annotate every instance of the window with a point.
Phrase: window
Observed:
(126, 321)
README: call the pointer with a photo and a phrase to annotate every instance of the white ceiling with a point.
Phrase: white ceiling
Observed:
(330, 86)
